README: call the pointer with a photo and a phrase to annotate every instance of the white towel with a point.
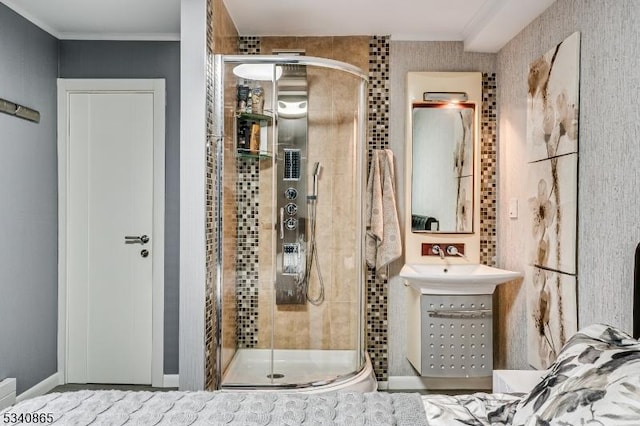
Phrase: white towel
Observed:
(383, 244)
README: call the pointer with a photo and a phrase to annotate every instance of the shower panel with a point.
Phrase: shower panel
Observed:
(291, 186)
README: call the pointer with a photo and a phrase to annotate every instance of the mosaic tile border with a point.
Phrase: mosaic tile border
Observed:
(247, 251)
(247, 196)
(211, 335)
(488, 172)
(249, 45)
(378, 138)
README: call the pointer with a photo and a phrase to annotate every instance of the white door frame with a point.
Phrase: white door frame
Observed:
(157, 87)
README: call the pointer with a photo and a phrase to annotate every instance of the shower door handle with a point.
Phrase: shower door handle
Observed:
(282, 223)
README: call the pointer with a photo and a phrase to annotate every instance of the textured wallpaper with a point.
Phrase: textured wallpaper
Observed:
(608, 177)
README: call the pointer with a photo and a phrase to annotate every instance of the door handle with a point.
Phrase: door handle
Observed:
(130, 239)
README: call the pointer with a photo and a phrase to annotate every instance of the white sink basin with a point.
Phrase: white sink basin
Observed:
(456, 278)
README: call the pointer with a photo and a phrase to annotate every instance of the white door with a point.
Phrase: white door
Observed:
(110, 238)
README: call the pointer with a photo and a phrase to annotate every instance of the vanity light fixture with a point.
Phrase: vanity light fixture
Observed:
(451, 97)
(261, 72)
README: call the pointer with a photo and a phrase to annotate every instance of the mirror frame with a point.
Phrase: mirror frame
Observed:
(417, 84)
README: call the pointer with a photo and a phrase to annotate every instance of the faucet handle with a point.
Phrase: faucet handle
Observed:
(453, 251)
(443, 249)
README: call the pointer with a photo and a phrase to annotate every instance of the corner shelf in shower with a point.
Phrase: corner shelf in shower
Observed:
(245, 153)
(248, 116)
(263, 121)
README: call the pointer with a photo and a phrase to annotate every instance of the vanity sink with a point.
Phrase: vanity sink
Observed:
(455, 278)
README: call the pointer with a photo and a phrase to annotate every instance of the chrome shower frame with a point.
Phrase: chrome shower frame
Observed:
(359, 167)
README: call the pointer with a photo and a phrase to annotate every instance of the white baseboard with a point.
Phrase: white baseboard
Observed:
(41, 388)
(431, 383)
(383, 385)
(7, 393)
(168, 381)
(171, 381)
(405, 382)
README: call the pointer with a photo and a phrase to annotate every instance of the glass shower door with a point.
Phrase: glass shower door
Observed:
(249, 223)
(292, 273)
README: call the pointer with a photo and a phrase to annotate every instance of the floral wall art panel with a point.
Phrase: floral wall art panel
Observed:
(552, 185)
(552, 116)
(551, 298)
(552, 212)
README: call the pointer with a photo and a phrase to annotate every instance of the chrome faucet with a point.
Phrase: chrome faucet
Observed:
(436, 249)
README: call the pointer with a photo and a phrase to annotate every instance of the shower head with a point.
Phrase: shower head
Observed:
(314, 195)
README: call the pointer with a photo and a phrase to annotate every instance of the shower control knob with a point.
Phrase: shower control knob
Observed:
(291, 224)
(291, 209)
(291, 194)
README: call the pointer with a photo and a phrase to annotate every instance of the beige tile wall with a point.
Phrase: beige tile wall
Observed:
(332, 103)
(225, 34)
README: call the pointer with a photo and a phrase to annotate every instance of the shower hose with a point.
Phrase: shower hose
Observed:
(311, 256)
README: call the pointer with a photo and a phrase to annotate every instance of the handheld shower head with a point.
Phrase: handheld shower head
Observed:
(316, 173)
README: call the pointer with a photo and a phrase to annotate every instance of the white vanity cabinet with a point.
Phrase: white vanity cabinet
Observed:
(450, 336)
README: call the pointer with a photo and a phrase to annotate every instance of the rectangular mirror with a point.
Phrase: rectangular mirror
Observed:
(442, 183)
(442, 163)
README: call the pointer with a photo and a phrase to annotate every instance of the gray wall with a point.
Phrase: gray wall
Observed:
(28, 204)
(408, 56)
(133, 59)
(609, 150)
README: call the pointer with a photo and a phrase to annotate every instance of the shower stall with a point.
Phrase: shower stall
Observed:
(289, 184)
